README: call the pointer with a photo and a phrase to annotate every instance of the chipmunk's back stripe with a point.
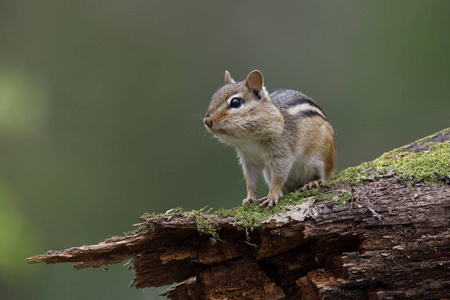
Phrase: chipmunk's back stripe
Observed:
(301, 101)
(297, 104)
(305, 108)
(292, 98)
(311, 113)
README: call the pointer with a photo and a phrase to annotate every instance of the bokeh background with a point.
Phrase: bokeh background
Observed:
(101, 105)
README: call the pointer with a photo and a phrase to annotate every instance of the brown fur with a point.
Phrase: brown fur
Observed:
(286, 135)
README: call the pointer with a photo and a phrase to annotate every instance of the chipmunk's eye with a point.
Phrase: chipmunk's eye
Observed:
(235, 103)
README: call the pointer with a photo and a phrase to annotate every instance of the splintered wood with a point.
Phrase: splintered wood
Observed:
(391, 242)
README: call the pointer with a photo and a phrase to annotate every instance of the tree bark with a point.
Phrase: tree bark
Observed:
(392, 241)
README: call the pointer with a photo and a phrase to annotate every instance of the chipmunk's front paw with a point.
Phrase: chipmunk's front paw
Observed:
(248, 201)
(311, 185)
(267, 202)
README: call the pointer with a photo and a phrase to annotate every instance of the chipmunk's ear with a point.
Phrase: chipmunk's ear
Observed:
(228, 79)
(254, 83)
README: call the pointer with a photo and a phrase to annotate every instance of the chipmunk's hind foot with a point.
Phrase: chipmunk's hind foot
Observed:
(311, 185)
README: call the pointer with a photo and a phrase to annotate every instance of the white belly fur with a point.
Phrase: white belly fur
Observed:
(304, 169)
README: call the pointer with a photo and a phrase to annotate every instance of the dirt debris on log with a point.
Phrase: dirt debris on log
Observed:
(390, 239)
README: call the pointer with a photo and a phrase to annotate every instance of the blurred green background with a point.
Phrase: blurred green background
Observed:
(101, 105)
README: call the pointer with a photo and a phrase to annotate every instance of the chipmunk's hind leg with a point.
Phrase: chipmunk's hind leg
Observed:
(316, 181)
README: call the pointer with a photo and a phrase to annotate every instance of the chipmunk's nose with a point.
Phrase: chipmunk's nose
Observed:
(208, 122)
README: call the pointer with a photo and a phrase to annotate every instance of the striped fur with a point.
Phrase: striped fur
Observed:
(285, 136)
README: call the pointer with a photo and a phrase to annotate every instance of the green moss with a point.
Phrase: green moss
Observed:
(250, 216)
(207, 226)
(354, 175)
(418, 166)
(203, 218)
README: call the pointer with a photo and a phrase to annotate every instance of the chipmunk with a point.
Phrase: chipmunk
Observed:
(284, 135)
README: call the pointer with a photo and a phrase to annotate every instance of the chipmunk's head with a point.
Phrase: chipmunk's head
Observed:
(243, 110)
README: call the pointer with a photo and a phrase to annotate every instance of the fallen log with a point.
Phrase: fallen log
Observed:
(377, 231)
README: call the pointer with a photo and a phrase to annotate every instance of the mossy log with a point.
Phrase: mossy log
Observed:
(389, 239)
